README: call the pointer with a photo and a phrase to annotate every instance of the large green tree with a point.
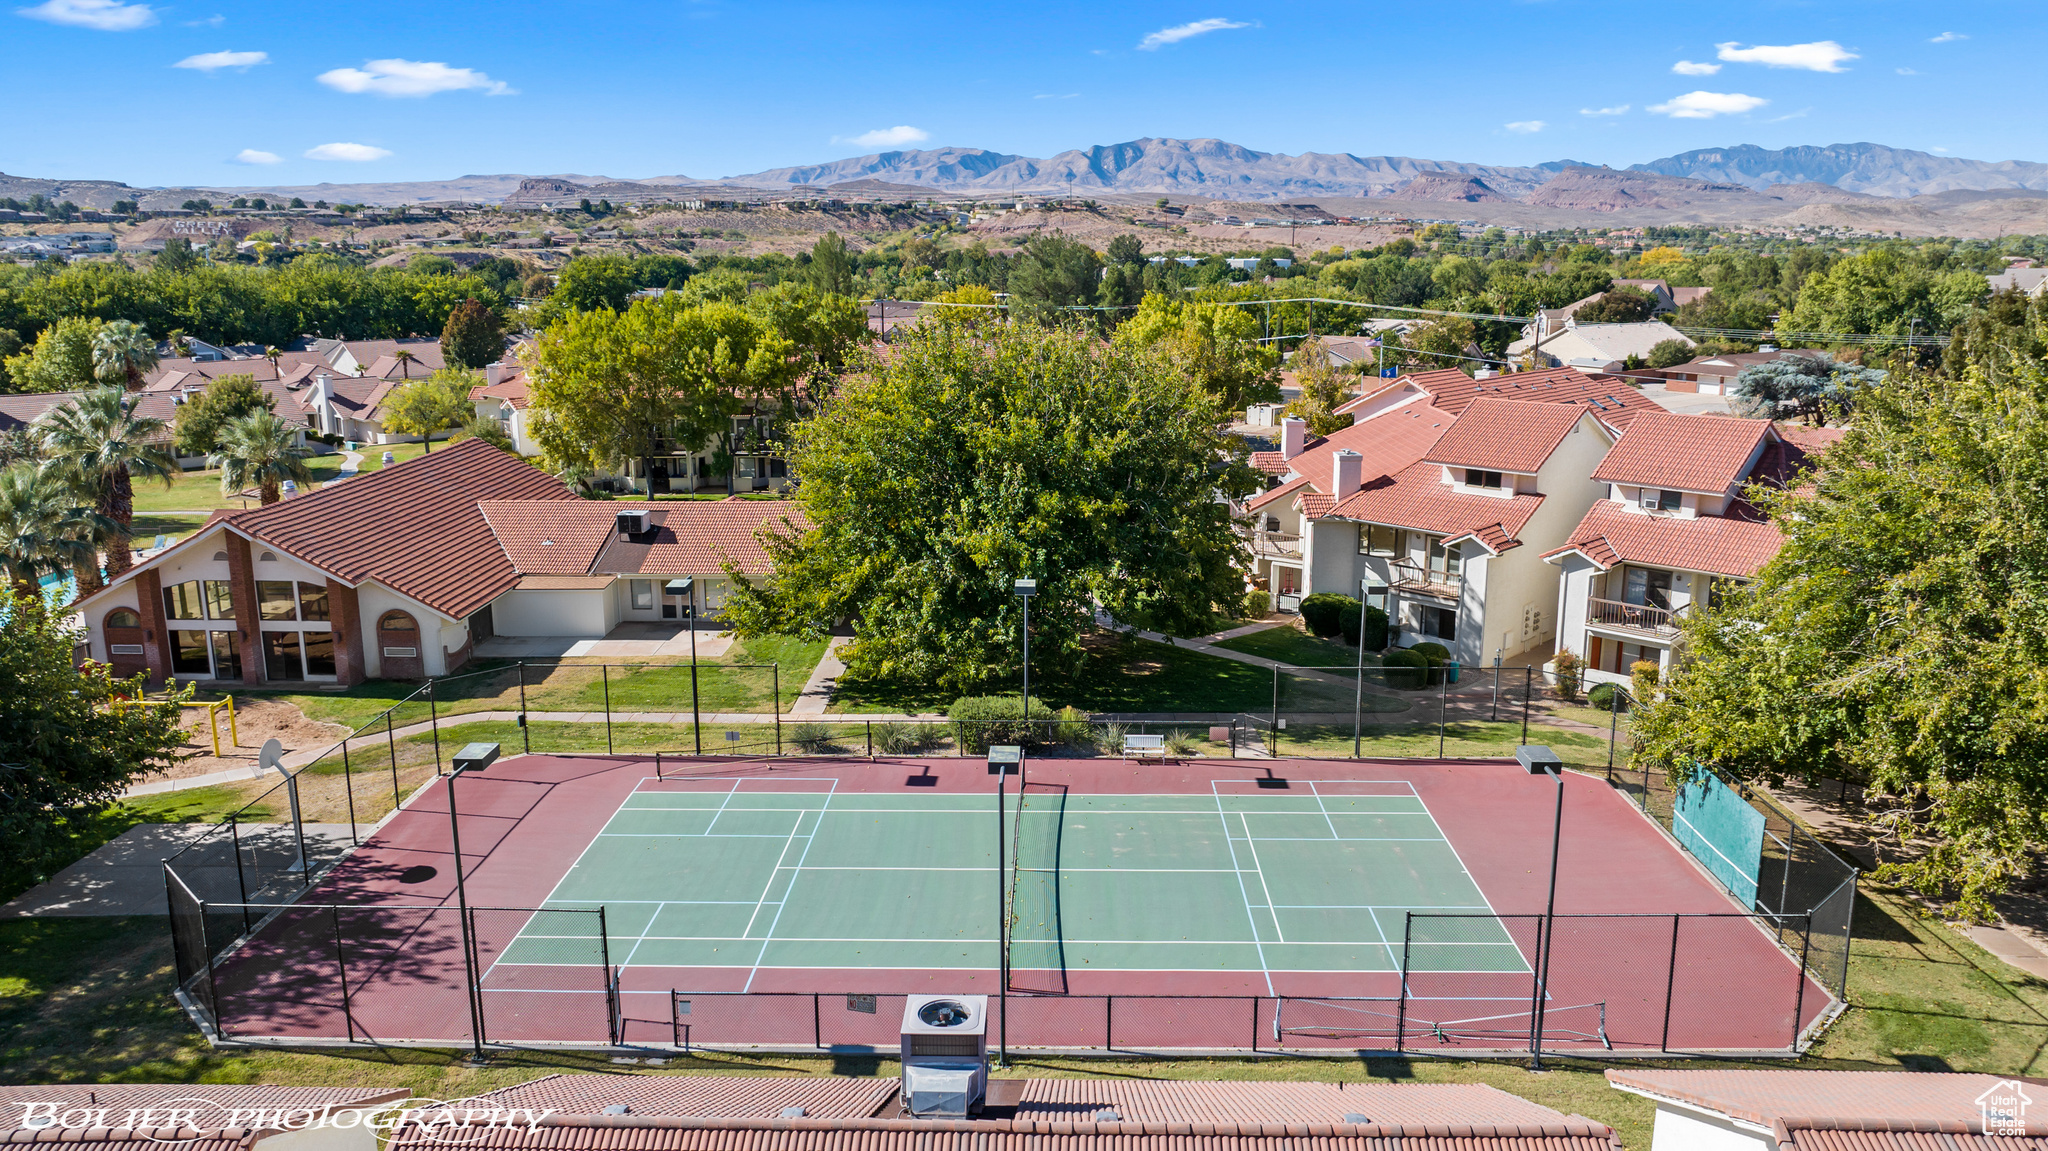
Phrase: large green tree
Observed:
(60, 360)
(260, 450)
(431, 406)
(473, 336)
(1900, 638)
(47, 526)
(1214, 344)
(974, 456)
(67, 755)
(195, 426)
(831, 264)
(611, 387)
(123, 352)
(1051, 273)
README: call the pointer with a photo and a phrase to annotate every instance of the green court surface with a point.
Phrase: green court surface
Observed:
(749, 875)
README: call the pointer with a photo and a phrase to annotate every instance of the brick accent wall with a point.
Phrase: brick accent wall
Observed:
(156, 643)
(346, 614)
(248, 616)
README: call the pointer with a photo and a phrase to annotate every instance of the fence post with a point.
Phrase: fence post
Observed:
(434, 723)
(1276, 711)
(606, 669)
(525, 738)
(1443, 706)
(614, 1007)
(1613, 729)
(1799, 999)
(1255, 1024)
(348, 787)
(1670, 985)
(1537, 991)
(817, 1023)
(870, 724)
(220, 1023)
(391, 742)
(348, 1018)
(241, 885)
(1108, 1022)
(775, 702)
(1401, 992)
(1528, 691)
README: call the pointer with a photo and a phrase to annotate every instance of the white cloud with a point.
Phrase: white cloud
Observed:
(1788, 116)
(213, 21)
(411, 78)
(1937, 149)
(354, 152)
(1154, 41)
(1050, 96)
(1819, 56)
(1906, 72)
(105, 15)
(1617, 110)
(253, 156)
(214, 61)
(1525, 127)
(1947, 37)
(1694, 68)
(895, 137)
(1707, 105)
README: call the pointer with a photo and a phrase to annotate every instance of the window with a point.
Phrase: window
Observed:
(188, 653)
(1378, 540)
(220, 600)
(1440, 622)
(281, 658)
(1646, 587)
(1444, 563)
(275, 600)
(319, 652)
(182, 601)
(122, 617)
(643, 595)
(397, 621)
(1474, 478)
(313, 602)
(1663, 501)
(227, 655)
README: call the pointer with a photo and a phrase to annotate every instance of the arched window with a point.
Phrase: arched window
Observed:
(397, 621)
(123, 617)
(221, 557)
(268, 556)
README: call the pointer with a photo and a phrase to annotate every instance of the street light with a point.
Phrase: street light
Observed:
(1002, 760)
(687, 586)
(1537, 759)
(474, 757)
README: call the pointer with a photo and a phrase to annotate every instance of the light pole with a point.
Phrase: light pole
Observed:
(687, 586)
(1358, 704)
(1025, 589)
(474, 757)
(1002, 760)
(1538, 759)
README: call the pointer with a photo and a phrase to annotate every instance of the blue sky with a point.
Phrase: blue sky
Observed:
(225, 92)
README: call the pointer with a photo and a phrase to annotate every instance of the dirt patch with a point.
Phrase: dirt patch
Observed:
(256, 719)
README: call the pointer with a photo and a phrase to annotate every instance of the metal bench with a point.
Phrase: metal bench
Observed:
(1145, 747)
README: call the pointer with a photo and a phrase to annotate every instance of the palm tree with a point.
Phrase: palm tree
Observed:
(123, 350)
(263, 449)
(44, 525)
(405, 360)
(106, 446)
(273, 355)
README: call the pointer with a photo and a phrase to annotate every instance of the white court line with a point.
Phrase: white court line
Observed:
(813, 838)
(1251, 920)
(948, 941)
(1320, 806)
(1279, 936)
(775, 872)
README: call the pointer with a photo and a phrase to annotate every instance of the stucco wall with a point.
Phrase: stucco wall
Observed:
(578, 612)
(376, 599)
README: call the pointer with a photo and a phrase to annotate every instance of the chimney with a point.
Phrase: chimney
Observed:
(1347, 468)
(323, 392)
(493, 373)
(1293, 437)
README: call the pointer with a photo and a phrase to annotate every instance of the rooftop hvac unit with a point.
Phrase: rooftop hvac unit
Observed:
(632, 523)
(945, 1055)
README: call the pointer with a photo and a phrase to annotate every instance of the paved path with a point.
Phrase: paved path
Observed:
(818, 689)
(351, 462)
(126, 876)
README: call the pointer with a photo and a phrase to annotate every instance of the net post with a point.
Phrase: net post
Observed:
(870, 725)
(1670, 985)
(525, 736)
(1401, 992)
(611, 985)
(1536, 999)
(606, 670)
(657, 763)
(675, 1021)
(241, 884)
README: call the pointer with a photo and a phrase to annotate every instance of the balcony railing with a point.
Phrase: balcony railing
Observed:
(1410, 576)
(1276, 544)
(1634, 616)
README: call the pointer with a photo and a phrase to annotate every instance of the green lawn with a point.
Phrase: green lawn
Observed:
(1290, 645)
(145, 528)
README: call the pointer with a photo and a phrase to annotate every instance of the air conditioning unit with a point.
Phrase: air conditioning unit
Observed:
(632, 523)
(1649, 498)
(944, 1055)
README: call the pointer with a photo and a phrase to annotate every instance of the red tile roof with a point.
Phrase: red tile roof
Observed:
(1610, 397)
(1505, 435)
(1762, 1097)
(134, 1139)
(1902, 1135)
(413, 527)
(18, 411)
(1685, 453)
(1266, 498)
(1417, 498)
(626, 1133)
(1718, 545)
(688, 537)
(702, 1096)
(1172, 1101)
(205, 1106)
(1389, 442)
(1271, 463)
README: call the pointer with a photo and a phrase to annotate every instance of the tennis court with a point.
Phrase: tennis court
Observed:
(1209, 905)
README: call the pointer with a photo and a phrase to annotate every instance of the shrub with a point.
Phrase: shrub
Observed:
(1602, 696)
(1347, 622)
(1407, 669)
(1436, 652)
(1644, 676)
(1181, 743)
(1377, 629)
(1074, 730)
(1570, 671)
(812, 738)
(894, 738)
(1258, 604)
(1321, 611)
(987, 719)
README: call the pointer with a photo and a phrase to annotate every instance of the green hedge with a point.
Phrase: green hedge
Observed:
(1407, 670)
(987, 719)
(1323, 613)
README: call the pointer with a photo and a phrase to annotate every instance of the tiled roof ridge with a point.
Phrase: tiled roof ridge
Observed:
(1089, 1127)
(1784, 1124)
